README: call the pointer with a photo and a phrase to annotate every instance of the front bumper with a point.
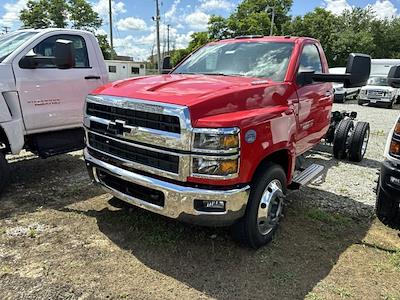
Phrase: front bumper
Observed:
(375, 102)
(390, 180)
(179, 201)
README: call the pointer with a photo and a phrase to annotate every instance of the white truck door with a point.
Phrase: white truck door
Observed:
(52, 98)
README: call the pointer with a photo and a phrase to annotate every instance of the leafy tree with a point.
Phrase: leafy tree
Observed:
(251, 17)
(57, 13)
(198, 39)
(82, 15)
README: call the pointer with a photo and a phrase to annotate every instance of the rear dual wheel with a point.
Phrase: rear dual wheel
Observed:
(351, 141)
(264, 209)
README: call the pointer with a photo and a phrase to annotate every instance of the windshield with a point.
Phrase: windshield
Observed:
(378, 81)
(10, 42)
(262, 59)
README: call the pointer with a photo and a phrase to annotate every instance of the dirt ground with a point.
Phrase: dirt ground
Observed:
(63, 238)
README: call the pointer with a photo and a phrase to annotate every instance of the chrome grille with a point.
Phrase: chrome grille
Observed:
(148, 136)
(135, 117)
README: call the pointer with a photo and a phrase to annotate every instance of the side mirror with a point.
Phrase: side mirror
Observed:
(394, 77)
(166, 65)
(357, 73)
(64, 56)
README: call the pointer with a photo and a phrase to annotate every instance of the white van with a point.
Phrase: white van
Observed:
(378, 92)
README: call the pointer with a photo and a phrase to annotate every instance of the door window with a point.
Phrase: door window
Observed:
(47, 48)
(310, 59)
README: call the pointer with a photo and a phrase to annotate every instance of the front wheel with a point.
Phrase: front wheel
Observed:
(264, 209)
(4, 173)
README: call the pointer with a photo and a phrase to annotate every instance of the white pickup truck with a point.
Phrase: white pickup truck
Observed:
(45, 76)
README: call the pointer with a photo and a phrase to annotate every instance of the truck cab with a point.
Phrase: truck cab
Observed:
(215, 142)
(44, 77)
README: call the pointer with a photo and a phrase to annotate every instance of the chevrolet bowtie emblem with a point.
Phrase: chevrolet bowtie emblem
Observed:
(118, 127)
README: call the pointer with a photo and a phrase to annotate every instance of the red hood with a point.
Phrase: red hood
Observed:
(204, 95)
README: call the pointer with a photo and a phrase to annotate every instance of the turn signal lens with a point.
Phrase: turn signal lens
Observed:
(231, 141)
(395, 148)
(215, 167)
(397, 128)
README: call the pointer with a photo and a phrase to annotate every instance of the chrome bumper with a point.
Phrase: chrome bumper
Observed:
(179, 200)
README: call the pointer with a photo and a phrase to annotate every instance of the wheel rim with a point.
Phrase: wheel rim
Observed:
(270, 207)
(365, 143)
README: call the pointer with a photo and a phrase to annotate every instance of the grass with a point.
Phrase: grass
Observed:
(328, 218)
(395, 260)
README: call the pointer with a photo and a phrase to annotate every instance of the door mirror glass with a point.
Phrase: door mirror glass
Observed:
(394, 77)
(359, 68)
(166, 65)
(64, 57)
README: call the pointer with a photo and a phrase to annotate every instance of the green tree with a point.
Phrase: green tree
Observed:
(58, 13)
(251, 17)
(197, 40)
(105, 46)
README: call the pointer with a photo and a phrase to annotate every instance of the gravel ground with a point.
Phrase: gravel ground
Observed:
(346, 186)
(63, 238)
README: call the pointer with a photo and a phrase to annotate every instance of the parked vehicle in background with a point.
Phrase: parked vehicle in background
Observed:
(342, 93)
(217, 141)
(378, 92)
(120, 69)
(388, 189)
(45, 76)
(383, 66)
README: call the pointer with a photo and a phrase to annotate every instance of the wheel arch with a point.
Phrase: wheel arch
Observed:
(282, 157)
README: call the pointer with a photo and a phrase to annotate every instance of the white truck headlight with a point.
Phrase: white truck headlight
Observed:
(212, 166)
(216, 140)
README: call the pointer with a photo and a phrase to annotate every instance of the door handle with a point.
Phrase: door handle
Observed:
(92, 77)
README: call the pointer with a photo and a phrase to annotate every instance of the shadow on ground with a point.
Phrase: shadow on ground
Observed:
(304, 251)
(45, 183)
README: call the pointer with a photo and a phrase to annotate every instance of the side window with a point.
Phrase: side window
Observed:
(47, 47)
(310, 59)
(112, 69)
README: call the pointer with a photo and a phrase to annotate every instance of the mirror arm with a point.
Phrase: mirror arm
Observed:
(322, 77)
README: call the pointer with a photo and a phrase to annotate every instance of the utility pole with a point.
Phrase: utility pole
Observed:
(168, 26)
(271, 30)
(158, 37)
(111, 28)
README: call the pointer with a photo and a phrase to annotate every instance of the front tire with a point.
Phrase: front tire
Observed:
(264, 209)
(4, 172)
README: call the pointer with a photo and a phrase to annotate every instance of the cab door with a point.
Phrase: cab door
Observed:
(51, 98)
(314, 101)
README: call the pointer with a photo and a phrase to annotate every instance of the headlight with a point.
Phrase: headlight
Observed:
(212, 166)
(216, 140)
(363, 92)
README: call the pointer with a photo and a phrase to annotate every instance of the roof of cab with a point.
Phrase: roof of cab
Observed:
(259, 38)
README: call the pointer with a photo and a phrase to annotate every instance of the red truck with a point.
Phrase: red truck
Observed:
(215, 142)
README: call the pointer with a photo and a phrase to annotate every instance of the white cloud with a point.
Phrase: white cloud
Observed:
(131, 23)
(208, 5)
(11, 15)
(336, 6)
(171, 13)
(384, 9)
(102, 8)
(197, 20)
(127, 46)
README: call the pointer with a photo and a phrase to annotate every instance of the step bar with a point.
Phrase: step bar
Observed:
(306, 176)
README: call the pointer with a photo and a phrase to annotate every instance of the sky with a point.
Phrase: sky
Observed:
(134, 29)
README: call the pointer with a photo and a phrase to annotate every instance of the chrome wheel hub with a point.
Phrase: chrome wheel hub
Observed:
(270, 207)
